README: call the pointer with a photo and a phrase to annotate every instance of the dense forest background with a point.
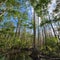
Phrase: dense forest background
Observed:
(29, 24)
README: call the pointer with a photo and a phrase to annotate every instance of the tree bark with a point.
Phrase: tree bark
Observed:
(38, 32)
(52, 28)
(34, 32)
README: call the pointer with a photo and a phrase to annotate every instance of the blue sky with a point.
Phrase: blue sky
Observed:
(52, 6)
(30, 9)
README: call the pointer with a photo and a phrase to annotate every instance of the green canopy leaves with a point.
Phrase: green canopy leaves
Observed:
(39, 5)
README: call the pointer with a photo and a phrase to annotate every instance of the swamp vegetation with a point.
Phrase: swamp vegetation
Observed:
(29, 30)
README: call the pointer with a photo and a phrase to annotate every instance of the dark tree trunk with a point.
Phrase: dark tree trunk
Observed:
(45, 36)
(18, 30)
(52, 28)
(58, 31)
(34, 32)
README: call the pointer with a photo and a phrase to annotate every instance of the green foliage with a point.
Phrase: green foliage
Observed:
(51, 48)
(10, 7)
(51, 41)
(10, 3)
(46, 21)
(10, 38)
(38, 5)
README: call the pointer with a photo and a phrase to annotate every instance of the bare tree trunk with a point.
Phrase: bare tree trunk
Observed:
(59, 31)
(52, 28)
(19, 31)
(38, 32)
(16, 30)
(44, 35)
(34, 32)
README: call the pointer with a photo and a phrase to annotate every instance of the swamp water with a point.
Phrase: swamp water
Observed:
(19, 56)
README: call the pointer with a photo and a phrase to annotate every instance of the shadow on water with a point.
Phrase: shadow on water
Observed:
(19, 56)
(22, 57)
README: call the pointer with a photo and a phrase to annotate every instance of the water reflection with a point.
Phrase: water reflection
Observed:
(20, 56)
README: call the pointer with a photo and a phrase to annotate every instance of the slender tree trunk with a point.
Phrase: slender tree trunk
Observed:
(16, 30)
(19, 31)
(58, 31)
(34, 32)
(52, 28)
(38, 31)
(44, 35)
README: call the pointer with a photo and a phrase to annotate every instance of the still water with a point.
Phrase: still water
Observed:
(21, 57)
(18, 56)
